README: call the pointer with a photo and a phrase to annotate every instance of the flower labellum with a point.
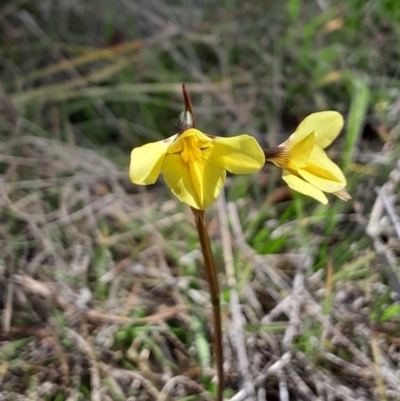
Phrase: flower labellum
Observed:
(194, 164)
(306, 167)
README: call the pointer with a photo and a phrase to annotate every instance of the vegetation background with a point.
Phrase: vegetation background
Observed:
(101, 286)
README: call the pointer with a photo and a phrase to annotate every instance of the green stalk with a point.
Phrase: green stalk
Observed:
(212, 279)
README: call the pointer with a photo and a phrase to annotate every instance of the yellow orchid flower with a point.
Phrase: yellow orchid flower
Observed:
(194, 164)
(306, 167)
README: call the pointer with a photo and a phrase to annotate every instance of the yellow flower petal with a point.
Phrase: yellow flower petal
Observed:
(146, 161)
(300, 151)
(320, 183)
(319, 159)
(297, 184)
(196, 184)
(190, 143)
(307, 168)
(322, 172)
(239, 155)
(326, 124)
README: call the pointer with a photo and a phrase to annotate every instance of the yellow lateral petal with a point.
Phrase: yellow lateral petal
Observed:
(146, 161)
(322, 172)
(326, 124)
(319, 159)
(198, 185)
(239, 155)
(320, 183)
(300, 151)
(304, 188)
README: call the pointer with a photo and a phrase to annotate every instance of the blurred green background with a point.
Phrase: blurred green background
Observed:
(109, 73)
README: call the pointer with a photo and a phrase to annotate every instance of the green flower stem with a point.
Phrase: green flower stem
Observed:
(212, 279)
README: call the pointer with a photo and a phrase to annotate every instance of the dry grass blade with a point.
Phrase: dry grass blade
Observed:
(186, 382)
(262, 263)
(275, 368)
(374, 227)
(379, 381)
(7, 311)
(77, 88)
(303, 265)
(237, 332)
(390, 210)
(94, 370)
(119, 374)
(90, 56)
(388, 264)
(51, 293)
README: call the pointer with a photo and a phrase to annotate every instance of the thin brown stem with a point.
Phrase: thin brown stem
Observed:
(212, 279)
(188, 104)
